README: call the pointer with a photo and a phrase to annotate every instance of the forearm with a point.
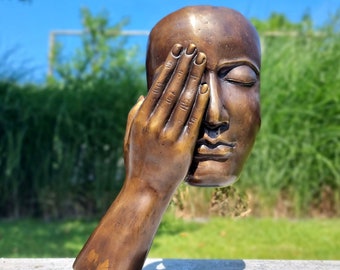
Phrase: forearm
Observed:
(160, 137)
(124, 235)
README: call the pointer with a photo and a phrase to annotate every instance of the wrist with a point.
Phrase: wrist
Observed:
(149, 190)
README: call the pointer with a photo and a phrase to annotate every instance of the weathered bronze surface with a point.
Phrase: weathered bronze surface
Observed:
(232, 119)
(198, 122)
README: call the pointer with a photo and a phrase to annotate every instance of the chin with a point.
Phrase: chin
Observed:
(212, 173)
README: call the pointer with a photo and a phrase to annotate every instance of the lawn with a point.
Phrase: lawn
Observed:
(246, 238)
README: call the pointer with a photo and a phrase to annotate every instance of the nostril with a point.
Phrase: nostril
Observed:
(214, 132)
(224, 127)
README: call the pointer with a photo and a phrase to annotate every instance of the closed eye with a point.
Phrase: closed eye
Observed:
(242, 75)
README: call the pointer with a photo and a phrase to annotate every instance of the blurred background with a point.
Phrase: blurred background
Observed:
(71, 70)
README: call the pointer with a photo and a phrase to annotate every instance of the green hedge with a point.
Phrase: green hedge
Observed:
(295, 165)
(61, 150)
(61, 147)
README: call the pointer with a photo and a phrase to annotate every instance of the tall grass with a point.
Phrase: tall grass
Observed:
(295, 164)
(60, 150)
(61, 144)
(61, 147)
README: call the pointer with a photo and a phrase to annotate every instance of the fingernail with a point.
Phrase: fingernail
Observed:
(177, 49)
(200, 58)
(191, 48)
(204, 88)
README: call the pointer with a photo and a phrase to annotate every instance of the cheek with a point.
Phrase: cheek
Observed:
(251, 109)
(243, 107)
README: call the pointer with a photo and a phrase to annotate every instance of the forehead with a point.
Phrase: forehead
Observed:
(222, 34)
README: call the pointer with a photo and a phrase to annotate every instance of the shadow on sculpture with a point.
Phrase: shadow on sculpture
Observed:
(197, 123)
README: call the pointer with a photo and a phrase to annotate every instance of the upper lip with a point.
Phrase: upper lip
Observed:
(213, 142)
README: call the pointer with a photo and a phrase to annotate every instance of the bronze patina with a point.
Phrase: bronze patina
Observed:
(233, 57)
(198, 122)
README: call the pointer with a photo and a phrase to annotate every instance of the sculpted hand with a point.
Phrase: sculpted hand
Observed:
(162, 129)
(158, 147)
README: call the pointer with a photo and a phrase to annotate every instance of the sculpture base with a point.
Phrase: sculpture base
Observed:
(175, 264)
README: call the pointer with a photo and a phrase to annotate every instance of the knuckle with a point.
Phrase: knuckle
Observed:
(166, 138)
(138, 126)
(184, 104)
(180, 73)
(157, 87)
(169, 65)
(192, 121)
(152, 127)
(170, 97)
(195, 77)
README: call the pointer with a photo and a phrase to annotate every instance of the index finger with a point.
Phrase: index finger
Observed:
(160, 83)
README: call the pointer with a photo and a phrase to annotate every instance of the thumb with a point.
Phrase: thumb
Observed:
(131, 117)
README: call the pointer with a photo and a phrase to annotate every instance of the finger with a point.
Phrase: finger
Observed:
(157, 88)
(190, 132)
(184, 105)
(174, 88)
(131, 116)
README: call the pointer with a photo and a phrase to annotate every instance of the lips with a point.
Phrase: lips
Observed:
(213, 150)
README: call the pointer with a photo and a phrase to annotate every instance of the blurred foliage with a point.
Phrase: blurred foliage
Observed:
(294, 168)
(279, 22)
(11, 70)
(61, 143)
(101, 58)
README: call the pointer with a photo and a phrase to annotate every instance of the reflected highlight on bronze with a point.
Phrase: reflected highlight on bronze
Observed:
(197, 123)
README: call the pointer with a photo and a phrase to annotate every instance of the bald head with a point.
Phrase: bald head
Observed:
(211, 29)
(232, 73)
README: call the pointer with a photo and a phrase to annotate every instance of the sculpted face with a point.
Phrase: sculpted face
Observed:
(232, 118)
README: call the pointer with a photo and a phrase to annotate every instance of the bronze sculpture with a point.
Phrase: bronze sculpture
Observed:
(198, 122)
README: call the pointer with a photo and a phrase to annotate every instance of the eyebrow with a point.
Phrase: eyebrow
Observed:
(239, 62)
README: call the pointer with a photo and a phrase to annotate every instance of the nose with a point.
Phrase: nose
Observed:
(216, 116)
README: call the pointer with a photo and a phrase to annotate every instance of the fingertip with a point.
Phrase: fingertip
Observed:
(177, 50)
(141, 98)
(191, 49)
(204, 88)
(200, 58)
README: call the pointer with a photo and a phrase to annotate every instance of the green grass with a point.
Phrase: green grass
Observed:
(34, 238)
(249, 238)
(246, 238)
